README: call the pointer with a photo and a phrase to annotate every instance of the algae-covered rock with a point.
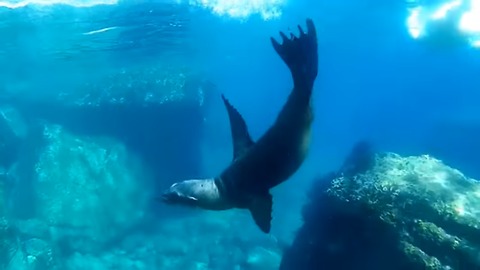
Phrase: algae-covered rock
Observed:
(434, 208)
(88, 187)
(410, 212)
(144, 86)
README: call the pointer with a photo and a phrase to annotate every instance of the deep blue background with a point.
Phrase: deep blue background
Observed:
(375, 81)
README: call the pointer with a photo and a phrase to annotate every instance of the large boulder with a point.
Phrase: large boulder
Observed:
(390, 212)
(88, 190)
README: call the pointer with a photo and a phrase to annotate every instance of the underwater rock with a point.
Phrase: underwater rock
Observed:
(118, 261)
(143, 86)
(34, 254)
(7, 242)
(33, 228)
(12, 131)
(410, 212)
(157, 112)
(19, 252)
(262, 258)
(87, 190)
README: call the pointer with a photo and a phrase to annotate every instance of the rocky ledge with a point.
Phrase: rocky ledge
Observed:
(386, 211)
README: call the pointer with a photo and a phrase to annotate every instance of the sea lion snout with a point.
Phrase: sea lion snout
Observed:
(179, 193)
(201, 193)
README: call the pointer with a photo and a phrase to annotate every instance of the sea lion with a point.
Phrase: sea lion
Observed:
(259, 166)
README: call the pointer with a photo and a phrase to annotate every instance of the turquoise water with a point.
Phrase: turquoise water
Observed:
(105, 104)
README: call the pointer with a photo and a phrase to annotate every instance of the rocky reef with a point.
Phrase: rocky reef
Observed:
(80, 169)
(69, 194)
(386, 211)
(84, 205)
(156, 111)
(145, 86)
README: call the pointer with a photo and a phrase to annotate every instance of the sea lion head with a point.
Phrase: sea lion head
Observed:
(201, 193)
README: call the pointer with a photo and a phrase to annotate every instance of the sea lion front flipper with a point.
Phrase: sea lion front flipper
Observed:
(261, 210)
(301, 56)
(240, 136)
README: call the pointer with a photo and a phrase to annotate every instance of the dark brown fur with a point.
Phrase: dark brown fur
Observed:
(275, 157)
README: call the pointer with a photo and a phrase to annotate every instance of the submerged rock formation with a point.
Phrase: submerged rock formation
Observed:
(83, 194)
(90, 185)
(396, 213)
(11, 134)
(78, 169)
(157, 112)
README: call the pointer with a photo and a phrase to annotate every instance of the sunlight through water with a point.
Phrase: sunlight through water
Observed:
(447, 22)
(75, 3)
(241, 9)
(236, 9)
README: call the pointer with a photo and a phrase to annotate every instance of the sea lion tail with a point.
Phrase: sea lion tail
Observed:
(301, 56)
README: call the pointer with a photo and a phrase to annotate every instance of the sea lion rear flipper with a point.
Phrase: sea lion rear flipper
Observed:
(240, 136)
(261, 210)
(301, 55)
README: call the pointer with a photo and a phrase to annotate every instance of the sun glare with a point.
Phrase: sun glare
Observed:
(441, 12)
(468, 23)
(240, 9)
(413, 22)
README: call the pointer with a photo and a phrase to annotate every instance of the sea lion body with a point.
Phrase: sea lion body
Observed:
(259, 166)
(274, 157)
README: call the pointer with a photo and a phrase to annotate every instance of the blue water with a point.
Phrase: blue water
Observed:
(92, 72)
